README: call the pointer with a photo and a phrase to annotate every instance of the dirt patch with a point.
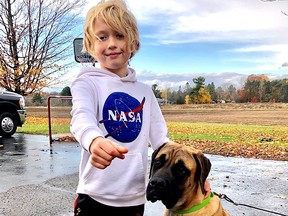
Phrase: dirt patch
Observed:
(253, 114)
(251, 117)
(55, 112)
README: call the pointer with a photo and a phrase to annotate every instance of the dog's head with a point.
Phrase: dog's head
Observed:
(176, 173)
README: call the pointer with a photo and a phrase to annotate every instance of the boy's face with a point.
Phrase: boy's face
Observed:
(111, 51)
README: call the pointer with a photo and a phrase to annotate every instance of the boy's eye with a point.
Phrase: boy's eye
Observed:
(102, 37)
(105, 37)
(120, 36)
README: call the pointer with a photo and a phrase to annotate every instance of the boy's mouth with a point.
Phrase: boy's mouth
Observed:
(113, 54)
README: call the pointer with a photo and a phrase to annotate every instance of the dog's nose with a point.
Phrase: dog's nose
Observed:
(158, 183)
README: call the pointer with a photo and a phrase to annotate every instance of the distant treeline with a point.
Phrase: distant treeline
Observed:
(257, 88)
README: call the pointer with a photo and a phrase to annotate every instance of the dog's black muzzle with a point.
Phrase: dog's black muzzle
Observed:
(156, 189)
(163, 189)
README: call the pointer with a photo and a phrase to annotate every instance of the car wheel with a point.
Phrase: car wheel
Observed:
(7, 124)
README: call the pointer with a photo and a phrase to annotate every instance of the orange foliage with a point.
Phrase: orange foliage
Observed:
(261, 77)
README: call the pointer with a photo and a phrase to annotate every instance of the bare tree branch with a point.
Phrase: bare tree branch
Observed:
(35, 35)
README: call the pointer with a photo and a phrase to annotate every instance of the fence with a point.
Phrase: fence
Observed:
(49, 113)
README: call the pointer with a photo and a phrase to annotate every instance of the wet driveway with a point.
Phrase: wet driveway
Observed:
(38, 180)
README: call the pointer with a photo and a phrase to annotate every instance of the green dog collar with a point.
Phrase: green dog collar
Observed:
(197, 207)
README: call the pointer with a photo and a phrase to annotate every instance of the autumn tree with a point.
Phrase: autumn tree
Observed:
(187, 99)
(254, 87)
(35, 37)
(199, 82)
(202, 97)
(199, 93)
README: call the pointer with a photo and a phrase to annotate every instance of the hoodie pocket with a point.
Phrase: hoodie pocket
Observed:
(122, 178)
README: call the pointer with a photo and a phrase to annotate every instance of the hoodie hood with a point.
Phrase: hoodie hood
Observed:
(93, 71)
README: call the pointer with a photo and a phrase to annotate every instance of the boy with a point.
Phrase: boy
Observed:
(114, 117)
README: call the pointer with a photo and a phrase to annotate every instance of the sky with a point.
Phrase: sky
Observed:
(222, 41)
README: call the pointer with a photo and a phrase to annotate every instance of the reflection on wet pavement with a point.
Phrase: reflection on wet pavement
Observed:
(26, 159)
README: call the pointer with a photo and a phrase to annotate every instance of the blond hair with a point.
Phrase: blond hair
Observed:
(117, 16)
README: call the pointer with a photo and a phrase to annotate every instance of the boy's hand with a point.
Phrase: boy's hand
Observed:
(103, 151)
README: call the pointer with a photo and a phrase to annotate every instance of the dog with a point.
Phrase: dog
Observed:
(177, 176)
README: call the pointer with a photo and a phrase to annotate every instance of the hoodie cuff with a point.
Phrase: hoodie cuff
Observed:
(88, 136)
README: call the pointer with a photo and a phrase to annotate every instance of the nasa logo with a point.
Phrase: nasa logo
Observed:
(122, 116)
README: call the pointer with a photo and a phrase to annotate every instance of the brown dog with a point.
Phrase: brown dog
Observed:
(177, 176)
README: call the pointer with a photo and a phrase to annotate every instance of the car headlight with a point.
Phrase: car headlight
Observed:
(22, 102)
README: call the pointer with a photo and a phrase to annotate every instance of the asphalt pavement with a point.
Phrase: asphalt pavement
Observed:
(39, 179)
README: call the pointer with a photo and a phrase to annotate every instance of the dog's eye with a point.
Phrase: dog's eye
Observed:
(159, 161)
(180, 170)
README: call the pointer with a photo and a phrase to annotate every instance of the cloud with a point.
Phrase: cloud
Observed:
(274, 53)
(175, 80)
(224, 80)
(204, 20)
(263, 48)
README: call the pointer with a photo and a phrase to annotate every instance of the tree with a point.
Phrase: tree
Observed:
(66, 91)
(276, 90)
(156, 91)
(284, 91)
(180, 96)
(251, 88)
(35, 36)
(187, 99)
(212, 91)
(187, 89)
(220, 93)
(166, 95)
(202, 97)
(199, 83)
(231, 93)
(37, 99)
(254, 87)
(199, 93)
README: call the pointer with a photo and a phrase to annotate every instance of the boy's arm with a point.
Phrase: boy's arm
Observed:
(158, 128)
(84, 125)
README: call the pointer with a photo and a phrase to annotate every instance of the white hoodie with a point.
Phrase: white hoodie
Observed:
(126, 112)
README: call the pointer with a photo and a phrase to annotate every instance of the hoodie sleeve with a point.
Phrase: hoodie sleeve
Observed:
(84, 124)
(158, 128)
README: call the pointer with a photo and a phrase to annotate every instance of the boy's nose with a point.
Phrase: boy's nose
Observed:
(112, 43)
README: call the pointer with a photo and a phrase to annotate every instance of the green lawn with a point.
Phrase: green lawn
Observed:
(219, 133)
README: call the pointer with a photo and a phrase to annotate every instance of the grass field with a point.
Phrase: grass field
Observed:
(245, 130)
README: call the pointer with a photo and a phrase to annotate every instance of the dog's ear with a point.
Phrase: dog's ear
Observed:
(202, 170)
(153, 157)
